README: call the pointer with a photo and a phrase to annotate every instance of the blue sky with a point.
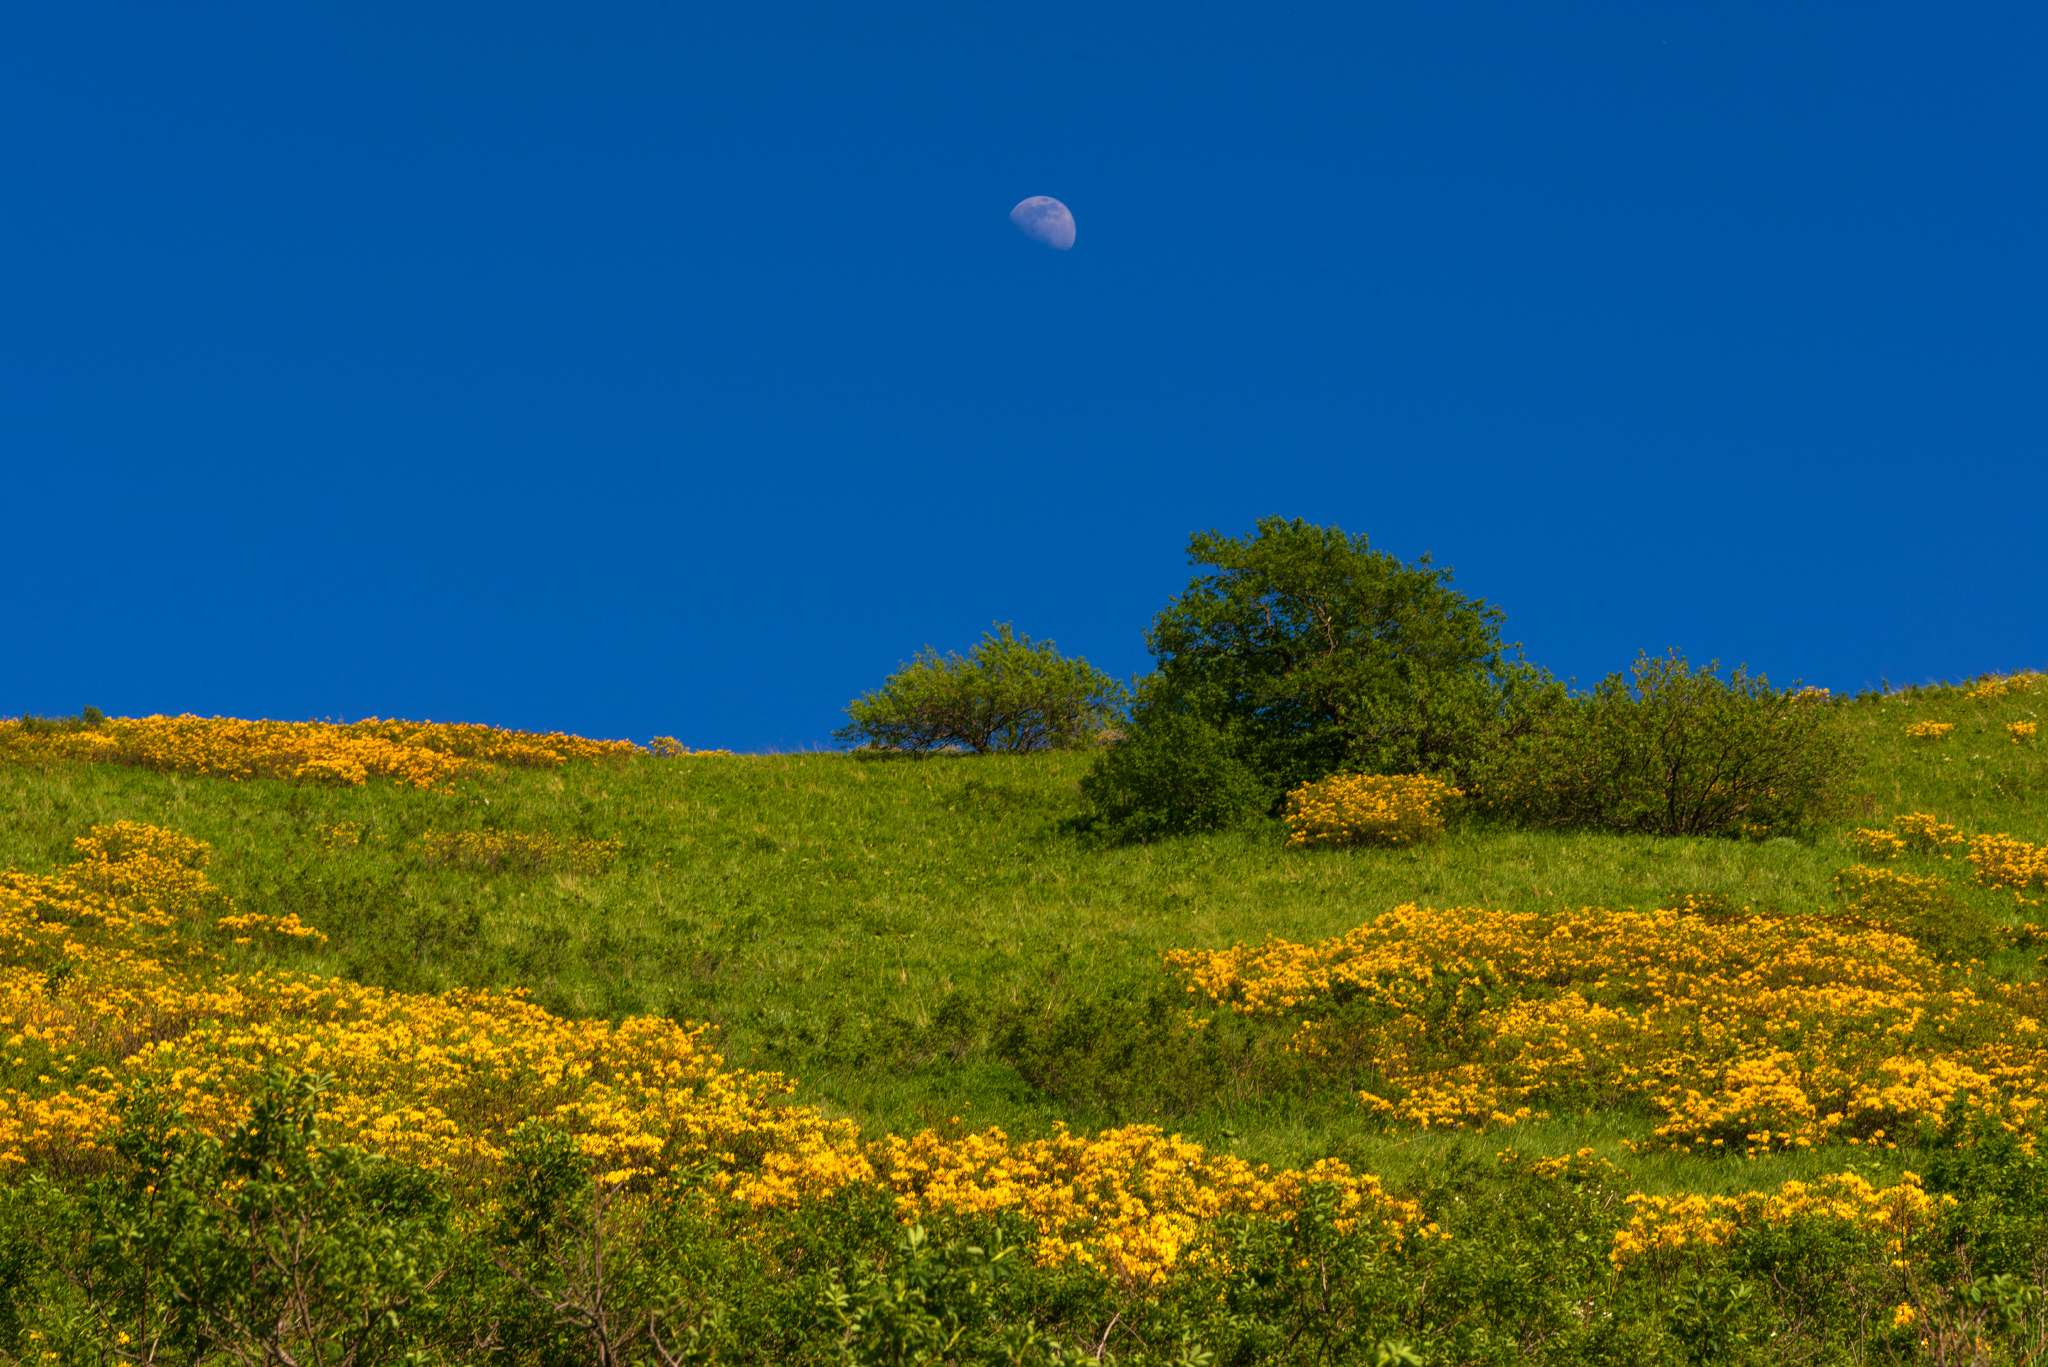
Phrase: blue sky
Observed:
(675, 368)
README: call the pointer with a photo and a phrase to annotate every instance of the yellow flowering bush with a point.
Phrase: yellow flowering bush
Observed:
(1132, 1201)
(1925, 834)
(519, 852)
(1877, 844)
(1367, 809)
(2021, 732)
(1930, 730)
(1995, 686)
(668, 747)
(1662, 1225)
(2003, 862)
(423, 754)
(1745, 1032)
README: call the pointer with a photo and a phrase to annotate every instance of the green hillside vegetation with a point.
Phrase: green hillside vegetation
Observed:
(945, 942)
(914, 940)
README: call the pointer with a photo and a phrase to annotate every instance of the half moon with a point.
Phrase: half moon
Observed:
(1044, 219)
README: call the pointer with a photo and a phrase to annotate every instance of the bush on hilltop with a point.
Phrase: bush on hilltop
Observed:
(1009, 694)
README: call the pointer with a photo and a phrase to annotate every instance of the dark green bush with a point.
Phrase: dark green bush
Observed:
(1010, 694)
(1677, 751)
(1171, 774)
(1303, 652)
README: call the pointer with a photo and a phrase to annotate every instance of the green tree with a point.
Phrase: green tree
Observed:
(1009, 694)
(1301, 652)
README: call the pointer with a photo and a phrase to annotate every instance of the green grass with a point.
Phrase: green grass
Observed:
(863, 925)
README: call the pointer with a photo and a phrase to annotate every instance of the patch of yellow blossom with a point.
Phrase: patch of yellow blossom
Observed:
(101, 986)
(668, 747)
(1926, 834)
(2003, 862)
(1367, 809)
(520, 852)
(423, 754)
(1660, 1225)
(2021, 732)
(1882, 893)
(97, 968)
(1133, 1202)
(1877, 844)
(1994, 686)
(1930, 730)
(1748, 1033)
(288, 925)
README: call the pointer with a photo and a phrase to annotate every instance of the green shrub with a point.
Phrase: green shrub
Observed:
(1677, 751)
(1173, 773)
(267, 1245)
(1010, 693)
(1304, 652)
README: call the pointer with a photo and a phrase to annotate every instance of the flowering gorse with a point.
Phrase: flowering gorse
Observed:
(105, 986)
(1744, 1032)
(1926, 834)
(422, 754)
(668, 747)
(1368, 809)
(1663, 1225)
(1877, 844)
(1930, 730)
(2004, 862)
(2021, 732)
(1995, 686)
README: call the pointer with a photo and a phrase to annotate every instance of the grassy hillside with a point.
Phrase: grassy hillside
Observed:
(898, 936)
(255, 1087)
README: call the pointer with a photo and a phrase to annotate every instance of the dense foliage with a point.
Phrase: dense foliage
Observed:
(1678, 751)
(1301, 652)
(1010, 695)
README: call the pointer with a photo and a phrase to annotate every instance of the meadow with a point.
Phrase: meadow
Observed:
(930, 949)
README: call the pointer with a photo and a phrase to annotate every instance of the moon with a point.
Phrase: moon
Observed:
(1044, 219)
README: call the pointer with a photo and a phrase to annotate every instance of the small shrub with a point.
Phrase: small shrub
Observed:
(1010, 694)
(1368, 809)
(1930, 730)
(668, 747)
(1877, 844)
(2021, 732)
(2003, 862)
(1173, 774)
(1926, 834)
(1678, 751)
